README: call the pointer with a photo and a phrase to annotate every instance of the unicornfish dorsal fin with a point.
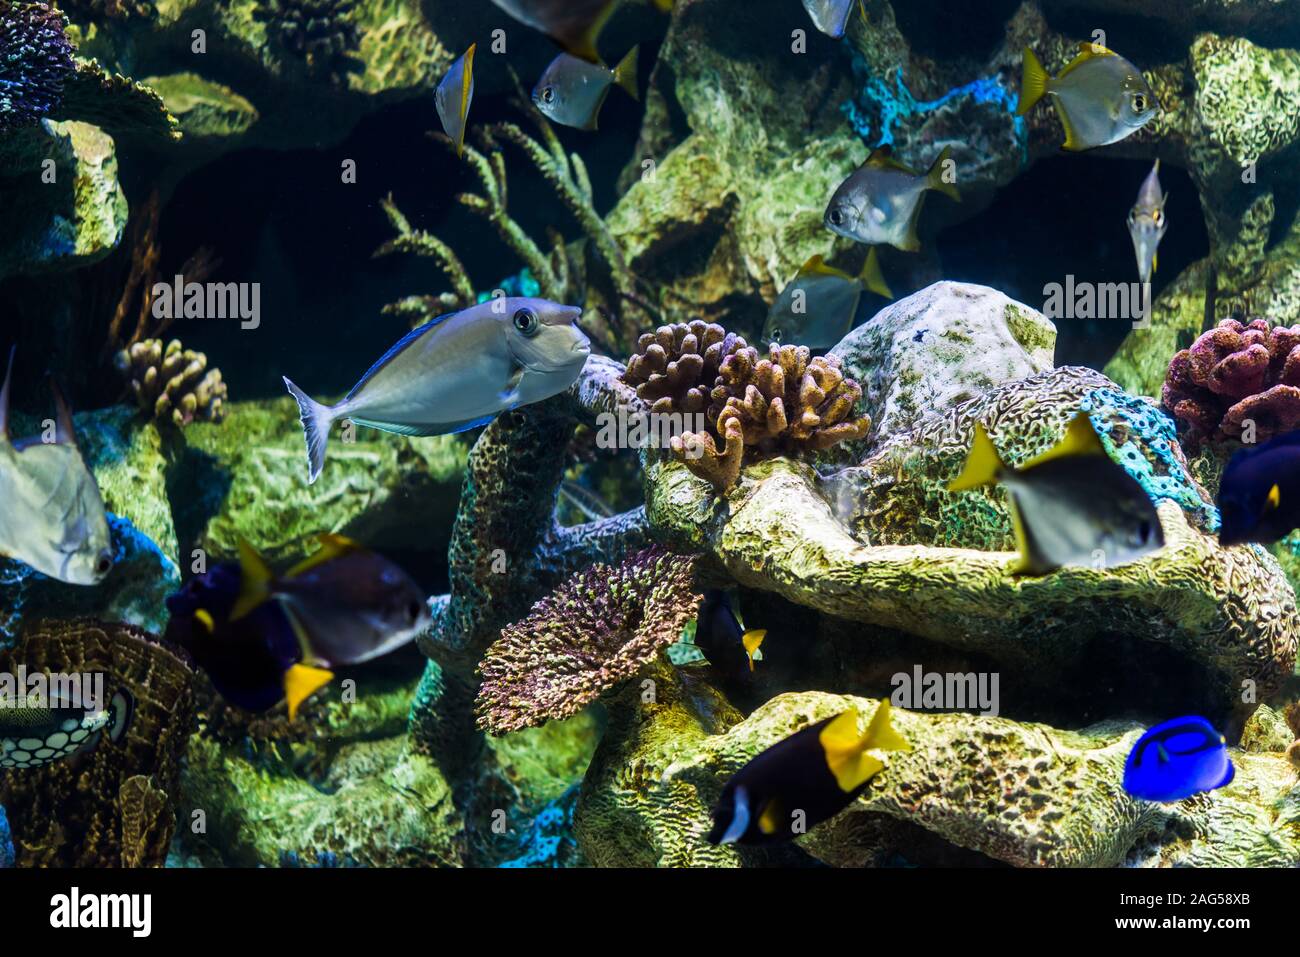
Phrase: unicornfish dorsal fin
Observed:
(255, 581)
(301, 682)
(982, 464)
(4, 396)
(1080, 439)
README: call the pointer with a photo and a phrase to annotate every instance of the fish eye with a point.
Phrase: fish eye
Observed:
(104, 563)
(527, 323)
(836, 216)
(1139, 103)
(548, 94)
(1157, 216)
(776, 335)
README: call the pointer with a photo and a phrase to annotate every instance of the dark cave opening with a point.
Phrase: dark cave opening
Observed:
(1067, 216)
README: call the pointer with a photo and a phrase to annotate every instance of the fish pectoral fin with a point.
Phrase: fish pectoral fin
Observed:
(254, 584)
(1072, 141)
(769, 818)
(1274, 499)
(1028, 562)
(301, 682)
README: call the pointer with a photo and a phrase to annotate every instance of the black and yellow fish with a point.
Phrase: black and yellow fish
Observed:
(718, 634)
(803, 780)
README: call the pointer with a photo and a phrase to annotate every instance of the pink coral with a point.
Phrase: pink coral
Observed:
(1234, 375)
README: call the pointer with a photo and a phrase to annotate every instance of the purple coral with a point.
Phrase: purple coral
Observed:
(596, 630)
(35, 60)
(1233, 375)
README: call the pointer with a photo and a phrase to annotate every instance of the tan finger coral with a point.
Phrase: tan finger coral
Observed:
(173, 384)
(675, 367)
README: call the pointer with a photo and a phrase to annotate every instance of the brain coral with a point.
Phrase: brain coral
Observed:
(1234, 376)
(35, 60)
(597, 629)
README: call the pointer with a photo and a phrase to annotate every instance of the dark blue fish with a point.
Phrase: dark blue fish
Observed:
(719, 636)
(255, 662)
(1177, 759)
(1259, 496)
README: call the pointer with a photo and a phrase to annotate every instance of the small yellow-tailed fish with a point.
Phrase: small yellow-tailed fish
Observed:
(817, 307)
(724, 643)
(454, 95)
(51, 513)
(572, 91)
(880, 202)
(1147, 223)
(1071, 505)
(831, 17)
(804, 779)
(1100, 97)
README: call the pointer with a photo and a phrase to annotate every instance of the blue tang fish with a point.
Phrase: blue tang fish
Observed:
(453, 97)
(1177, 759)
(1259, 496)
(457, 372)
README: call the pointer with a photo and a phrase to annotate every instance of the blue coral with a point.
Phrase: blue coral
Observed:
(523, 284)
(1149, 434)
(549, 841)
(35, 61)
(6, 841)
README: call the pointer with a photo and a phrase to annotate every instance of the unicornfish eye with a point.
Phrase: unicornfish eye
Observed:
(526, 322)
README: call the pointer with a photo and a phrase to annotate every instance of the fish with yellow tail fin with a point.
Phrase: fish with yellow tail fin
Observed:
(1100, 97)
(453, 98)
(804, 779)
(816, 309)
(725, 644)
(1072, 505)
(573, 24)
(880, 203)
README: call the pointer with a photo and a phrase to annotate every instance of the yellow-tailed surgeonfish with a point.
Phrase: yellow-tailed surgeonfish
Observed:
(832, 16)
(572, 91)
(457, 372)
(453, 97)
(880, 202)
(1100, 97)
(1147, 223)
(1071, 505)
(817, 307)
(725, 644)
(51, 514)
(804, 779)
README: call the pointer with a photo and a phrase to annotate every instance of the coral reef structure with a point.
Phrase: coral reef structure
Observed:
(322, 32)
(1236, 377)
(172, 384)
(35, 62)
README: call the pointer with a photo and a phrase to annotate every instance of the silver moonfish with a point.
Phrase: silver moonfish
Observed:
(51, 514)
(454, 95)
(880, 202)
(832, 16)
(1101, 97)
(574, 24)
(457, 372)
(817, 307)
(1072, 505)
(1147, 223)
(32, 736)
(572, 91)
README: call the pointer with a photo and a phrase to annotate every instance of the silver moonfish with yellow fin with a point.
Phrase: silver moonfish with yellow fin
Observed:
(1147, 223)
(572, 91)
(51, 513)
(1071, 505)
(36, 735)
(817, 307)
(880, 202)
(457, 372)
(573, 24)
(831, 17)
(453, 98)
(347, 604)
(807, 778)
(1100, 97)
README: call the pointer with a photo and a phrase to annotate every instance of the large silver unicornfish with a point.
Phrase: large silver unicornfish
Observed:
(457, 372)
(51, 515)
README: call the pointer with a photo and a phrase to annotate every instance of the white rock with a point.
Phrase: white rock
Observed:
(939, 347)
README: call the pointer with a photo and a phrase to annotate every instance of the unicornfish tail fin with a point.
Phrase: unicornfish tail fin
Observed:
(316, 422)
(872, 277)
(1033, 83)
(752, 640)
(625, 73)
(982, 464)
(254, 581)
(938, 177)
(301, 682)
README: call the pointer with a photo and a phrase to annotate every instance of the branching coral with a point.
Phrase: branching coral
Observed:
(35, 62)
(1235, 375)
(596, 630)
(174, 383)
(786, 404)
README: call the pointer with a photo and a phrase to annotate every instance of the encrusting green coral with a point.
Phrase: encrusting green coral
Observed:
(173, 384)
(596, 630)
